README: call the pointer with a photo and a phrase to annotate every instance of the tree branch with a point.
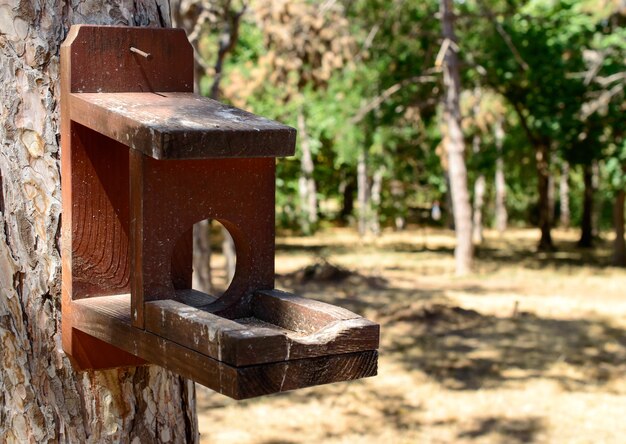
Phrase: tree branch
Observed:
(378, 100)
(228, 40)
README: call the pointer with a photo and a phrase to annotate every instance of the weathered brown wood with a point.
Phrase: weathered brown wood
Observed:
(169, 197)
(106, 319)
(258, 339)
(103, 62)
(296, 313)
(168, 125)
(279, 377)
(212, 335)
(140, 169)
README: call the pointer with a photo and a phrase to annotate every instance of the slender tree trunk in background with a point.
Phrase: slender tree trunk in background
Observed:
(551, 190)
(480, 187)
(376, 192)
(455, 145)
(565, 217)
(619, 247)
(362, 191)
(449, 202)
(595, 211)
(230, 255)
(501, 213)
(202, 276)
(543, 185)
(347, 206)
(42, 398)
(586, 226)
(306, 183)
(397, 194)
(188, 15)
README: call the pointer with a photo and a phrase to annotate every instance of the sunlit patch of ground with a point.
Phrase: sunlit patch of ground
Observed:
(530, 348)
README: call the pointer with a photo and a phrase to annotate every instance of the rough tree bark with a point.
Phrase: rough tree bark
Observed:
(455, 145)
(501, 213)
(586, 224)
(619, 246)
(42, 399)
(565, 216)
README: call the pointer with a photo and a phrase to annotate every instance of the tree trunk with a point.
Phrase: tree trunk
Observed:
(230, 254)
(551, 190)
(543, 185)
(619, 247)
(42, 399)
(347, 191)
(586, 226)
(455, 145)
(202, 277)
(449, 203)
(565, 217)
(501, 213)
(480, 187)
(306, 183)
(362, 191)
(397, 194)
(595, 211)
(376, 192)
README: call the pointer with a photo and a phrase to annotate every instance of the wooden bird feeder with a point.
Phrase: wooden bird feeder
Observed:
(143, 160)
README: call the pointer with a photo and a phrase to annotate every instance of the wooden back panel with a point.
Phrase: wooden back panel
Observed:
(101, 60)
(95, 168)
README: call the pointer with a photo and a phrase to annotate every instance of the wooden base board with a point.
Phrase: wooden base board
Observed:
(107, 318)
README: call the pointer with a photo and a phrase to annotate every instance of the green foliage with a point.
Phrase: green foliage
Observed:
(364, 74)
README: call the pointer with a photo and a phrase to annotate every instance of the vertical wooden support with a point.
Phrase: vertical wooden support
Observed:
(237, 192)
(94, 168)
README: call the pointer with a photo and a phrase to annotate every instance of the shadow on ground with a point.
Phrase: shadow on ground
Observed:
(466, 350)
(463, 349)
(505, 430)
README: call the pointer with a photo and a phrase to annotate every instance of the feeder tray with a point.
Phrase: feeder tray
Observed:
(143, 160)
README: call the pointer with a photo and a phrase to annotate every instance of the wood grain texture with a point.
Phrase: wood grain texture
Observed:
(169, 197)
(103, 61)
(97, 317)
(169, 125)
(287, 327)
(139, 170)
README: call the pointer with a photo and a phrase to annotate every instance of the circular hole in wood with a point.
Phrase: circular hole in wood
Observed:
(214, 257)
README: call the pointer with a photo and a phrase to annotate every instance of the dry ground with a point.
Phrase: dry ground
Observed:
(531, 348)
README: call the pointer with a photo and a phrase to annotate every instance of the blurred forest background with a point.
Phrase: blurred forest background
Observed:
(491, 128)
